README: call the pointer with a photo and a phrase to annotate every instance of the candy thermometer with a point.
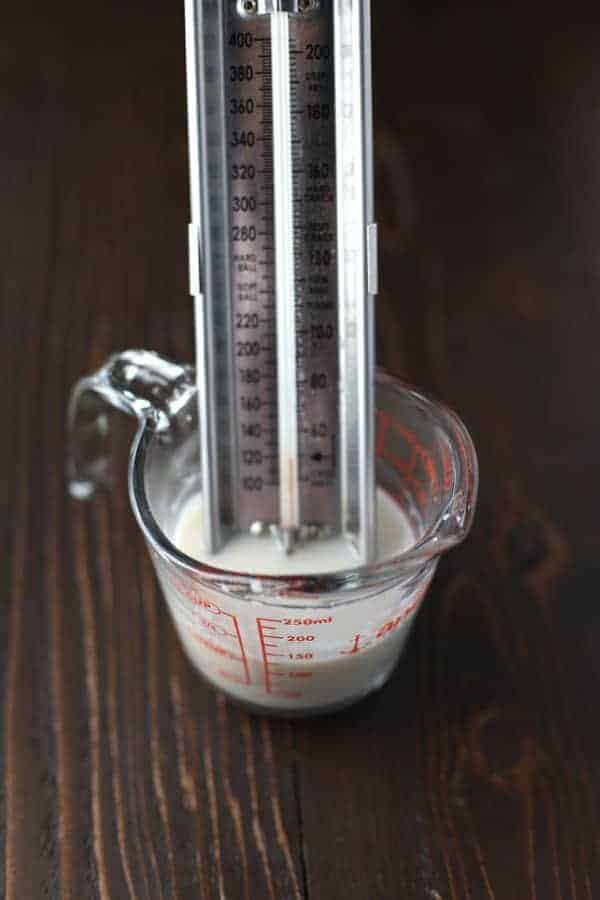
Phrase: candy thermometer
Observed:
(283, 266)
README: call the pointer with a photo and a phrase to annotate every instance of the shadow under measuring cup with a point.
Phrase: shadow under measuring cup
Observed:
(289, 645)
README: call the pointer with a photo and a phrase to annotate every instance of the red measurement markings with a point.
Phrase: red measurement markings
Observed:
(219, 623)
(394, 438)
(190, 592)
(216, 648)
(356, 648)
(226, 653)
(273, 645)
(393, 624)
(448, 469)
(361, 642)
(232, 677)
(238, 633)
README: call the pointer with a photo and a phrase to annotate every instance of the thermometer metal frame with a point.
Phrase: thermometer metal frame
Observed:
(317, 406)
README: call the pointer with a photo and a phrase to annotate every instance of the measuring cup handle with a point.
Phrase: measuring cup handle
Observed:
(138, 382)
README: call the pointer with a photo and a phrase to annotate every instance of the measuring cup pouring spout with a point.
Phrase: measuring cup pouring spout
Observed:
(289, 645)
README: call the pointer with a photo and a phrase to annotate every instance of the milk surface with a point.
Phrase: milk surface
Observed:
(296, 654)
(253, 554)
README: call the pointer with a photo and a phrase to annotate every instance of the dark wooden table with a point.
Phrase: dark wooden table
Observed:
(474, 773)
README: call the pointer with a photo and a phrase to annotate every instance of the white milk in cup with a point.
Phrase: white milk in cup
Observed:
(293, 634)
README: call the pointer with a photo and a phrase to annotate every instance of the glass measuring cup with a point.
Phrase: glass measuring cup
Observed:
(292, 645)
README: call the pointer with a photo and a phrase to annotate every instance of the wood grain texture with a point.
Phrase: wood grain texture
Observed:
(474, 773)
